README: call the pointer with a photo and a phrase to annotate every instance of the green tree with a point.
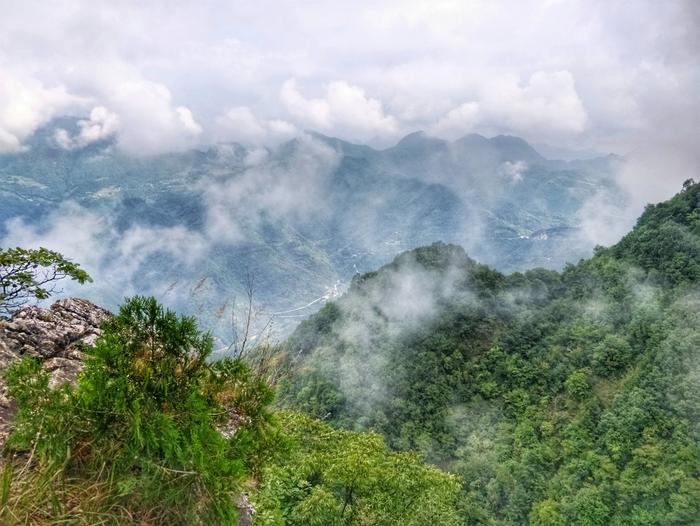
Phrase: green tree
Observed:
(577, 384)
(612, 356)
(27, 274)
(546, 513)
(591, 375)
(590, 507)
(334, 477)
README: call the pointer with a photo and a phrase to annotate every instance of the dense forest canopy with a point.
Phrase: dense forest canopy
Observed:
(559, 397)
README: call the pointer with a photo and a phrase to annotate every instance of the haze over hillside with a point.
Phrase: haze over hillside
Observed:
(134, 177)
(300, 218)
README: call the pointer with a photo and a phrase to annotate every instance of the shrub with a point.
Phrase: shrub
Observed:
(141, 427)
(577, 384)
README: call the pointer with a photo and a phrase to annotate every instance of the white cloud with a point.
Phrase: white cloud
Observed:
(547, 105)
(580, 73)
(26, 104)
(345, 109)
(101, 125)
(240, 124)
(142, 111)
(150, 123)
(190, 126)
(458, 121)
(317, 112)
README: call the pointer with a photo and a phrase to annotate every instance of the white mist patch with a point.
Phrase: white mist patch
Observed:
(102, 124)
(683, 345)
(605, 218)
(241, 203)
(345, 108)
(515, 171)
(396, 301)
(294, 190)
(113, 259)
(71, 229)
(408, 293)
(410, 297)
(240, 124)
(25, 104)
(547, 103)
(478, 426)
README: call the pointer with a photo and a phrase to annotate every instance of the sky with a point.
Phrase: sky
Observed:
(610, 75)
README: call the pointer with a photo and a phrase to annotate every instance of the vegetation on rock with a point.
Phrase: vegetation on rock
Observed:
(137, 439)
(153, 432)
(544, 398)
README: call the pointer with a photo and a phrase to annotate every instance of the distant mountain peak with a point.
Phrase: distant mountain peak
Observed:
(420, 139)
(350, 148)
(510, 144)
(472, 140)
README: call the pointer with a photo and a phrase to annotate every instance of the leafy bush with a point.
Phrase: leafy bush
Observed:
(577, 384)
(612, 356)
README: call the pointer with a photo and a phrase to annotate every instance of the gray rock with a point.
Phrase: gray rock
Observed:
(246, 511)
(56, 335)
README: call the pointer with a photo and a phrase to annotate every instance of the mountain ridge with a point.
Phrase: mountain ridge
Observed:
(306, 214)
(548, 390)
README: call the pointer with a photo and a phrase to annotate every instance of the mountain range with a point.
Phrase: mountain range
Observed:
(297, 220)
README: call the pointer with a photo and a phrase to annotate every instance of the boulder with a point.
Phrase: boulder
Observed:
(56, 335)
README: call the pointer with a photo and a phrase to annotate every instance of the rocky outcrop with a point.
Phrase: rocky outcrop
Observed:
(56, 335)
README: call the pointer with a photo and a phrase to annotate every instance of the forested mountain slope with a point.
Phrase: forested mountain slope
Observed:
(560, 398)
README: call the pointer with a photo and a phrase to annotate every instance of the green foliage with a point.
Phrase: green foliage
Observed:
(556, 398)
(143, 423)
(27, 274)
(547, 513)
(590, 507)
(667, 239)
(612, 355)
(332, 477)
(577, 385)
(559, 398)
